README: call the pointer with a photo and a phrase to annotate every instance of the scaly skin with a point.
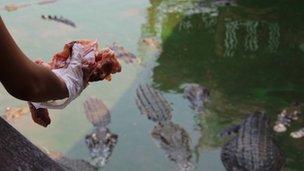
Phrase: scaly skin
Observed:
(101, 142)
(97, 112)
(151, 103)
(253, 149)
(123, 54)
(175, 141)
(197, 95)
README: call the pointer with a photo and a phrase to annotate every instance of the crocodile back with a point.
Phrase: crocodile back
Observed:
(254, 148)
(97, 112)
(152, 103)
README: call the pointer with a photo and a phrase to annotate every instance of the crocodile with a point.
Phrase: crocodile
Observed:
(253, 149)
(101, 141)
(123, 54)
(59, 19)
(44, 2)
(197, 95)
(152, 103)
(175, 141)
(97, 112)
(171, 137)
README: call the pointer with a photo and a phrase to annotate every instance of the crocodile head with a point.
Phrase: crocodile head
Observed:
(175, 142)
(197, 95)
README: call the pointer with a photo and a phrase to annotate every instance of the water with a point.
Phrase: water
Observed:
(250, 56)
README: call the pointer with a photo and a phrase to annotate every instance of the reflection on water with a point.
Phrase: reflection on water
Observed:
(263, 41)
(251, 36)
(251, 39)
(249, 55)
(171, 137)
(274, 35)
(161, 10)
(101, 141)
(231, 40)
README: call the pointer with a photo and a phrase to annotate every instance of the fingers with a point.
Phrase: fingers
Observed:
(40, 116)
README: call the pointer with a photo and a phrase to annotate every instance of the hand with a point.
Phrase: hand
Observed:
(40, 116)
(75, 76)
(72, 76)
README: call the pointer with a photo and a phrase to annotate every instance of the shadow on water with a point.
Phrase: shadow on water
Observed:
(249, 56)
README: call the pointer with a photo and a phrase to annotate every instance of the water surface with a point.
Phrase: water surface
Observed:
(249, 54)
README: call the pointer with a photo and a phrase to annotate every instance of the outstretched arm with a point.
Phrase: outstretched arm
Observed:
(24, 79)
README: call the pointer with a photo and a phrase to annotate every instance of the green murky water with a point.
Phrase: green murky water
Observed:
(250, 56)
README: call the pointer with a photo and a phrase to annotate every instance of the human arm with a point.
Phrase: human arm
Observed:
(24, 79)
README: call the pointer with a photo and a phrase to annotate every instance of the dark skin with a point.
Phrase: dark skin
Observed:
(23, 78)
(26, 80)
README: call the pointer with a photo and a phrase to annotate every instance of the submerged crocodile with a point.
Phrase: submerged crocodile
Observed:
(101, 141)
(253, 149)
(197, 95)
(152, 103)
(175, 141)
(123, 54)
(97, 112)
(59, 19)
(172, 138)
(43, 2)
